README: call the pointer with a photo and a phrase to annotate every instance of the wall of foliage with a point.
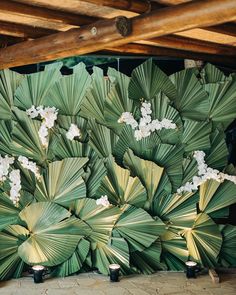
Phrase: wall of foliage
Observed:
(117, 169)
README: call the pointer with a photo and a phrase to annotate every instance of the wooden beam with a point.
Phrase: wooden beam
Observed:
(110, 33)
(24, 31)
(189, 44)
(227, 29)
(128, 5)
(147, 50)
(9, 40)
(15, 8)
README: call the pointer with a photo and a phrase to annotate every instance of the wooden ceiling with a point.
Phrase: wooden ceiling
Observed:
(33, 31)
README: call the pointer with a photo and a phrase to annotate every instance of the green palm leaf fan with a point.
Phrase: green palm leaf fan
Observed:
(161, 109)
(34, 88)
(53, 235)
(204, 241)
(101, 219)
(5, 137)
(151, 175)
(117, 100)
(9, 81)
(93, 102)
(26, 141)
(178, 211)
(190, 169)
(196, 136)
(215, 196)
(169, 157)
(8, 212)
(116, 251)
(228, 249)
(211, 74)
(147, 80)
(192, 100)
(127, 140)
(174, 250)
(222, 97)
(120, 187)
(96, 171)
(138, 228)
(217, 156)
(148, 260)
(101, 139)
(75, 262)
(67, 94)
(11, 264)
(62, 183)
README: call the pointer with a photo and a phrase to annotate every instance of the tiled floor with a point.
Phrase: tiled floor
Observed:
(162, 283)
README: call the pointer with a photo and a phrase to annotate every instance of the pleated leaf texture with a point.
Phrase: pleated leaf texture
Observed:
(61, 220)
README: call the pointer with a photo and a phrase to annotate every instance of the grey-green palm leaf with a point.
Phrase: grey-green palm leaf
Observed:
(120, 187)
(228, 249)
(147, 80)
(5, 137)
(62, 183)
(9, 81)
(53, 235)
(204, 241)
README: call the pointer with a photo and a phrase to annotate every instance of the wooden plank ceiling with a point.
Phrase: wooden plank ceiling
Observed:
(33, 31)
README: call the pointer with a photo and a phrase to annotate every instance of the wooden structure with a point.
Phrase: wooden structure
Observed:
(33, 31)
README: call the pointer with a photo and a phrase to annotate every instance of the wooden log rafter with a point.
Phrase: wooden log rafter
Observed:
(115, 32)
(7, 6)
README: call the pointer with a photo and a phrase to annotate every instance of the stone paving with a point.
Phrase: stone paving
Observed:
(161, 283)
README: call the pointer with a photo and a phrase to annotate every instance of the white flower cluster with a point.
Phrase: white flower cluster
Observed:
(15, 184)
(48, 115)
(103, 201)
(204, 173)
(146, 124)
(4, 166)
(73, 132)
(30, 165)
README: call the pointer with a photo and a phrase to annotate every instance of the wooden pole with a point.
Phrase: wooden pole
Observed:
(116, 32)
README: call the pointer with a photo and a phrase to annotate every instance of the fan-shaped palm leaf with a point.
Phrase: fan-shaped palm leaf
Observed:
(5, 137)
(170, 158)
(190, 95)
(11, 264)
(147, 80)
(210, 74)
(196, 136)
(217, 157)
(67, 94)
(117, 101)
(63, 182)
(101, 139)
(8, 212)
(138, 228)
(34, 88)
(161, 109)
(148, 261)
(53, 236)
(25, 139)
(204, 241)
(148, 172)
(222, 99)
(174, 250)
(100, 219)
(215, 195)
(120, 187)
(190, 169)
(75, 262)
(93, 103)
(115, 251)
(179, 211)
(228, 249)
(9, 81)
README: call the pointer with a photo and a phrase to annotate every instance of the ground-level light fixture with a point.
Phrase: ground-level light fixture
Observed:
(191, 269)
(38, 272)
(114, 272)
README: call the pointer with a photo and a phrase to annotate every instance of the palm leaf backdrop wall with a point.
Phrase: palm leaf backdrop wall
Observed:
(146, 225)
